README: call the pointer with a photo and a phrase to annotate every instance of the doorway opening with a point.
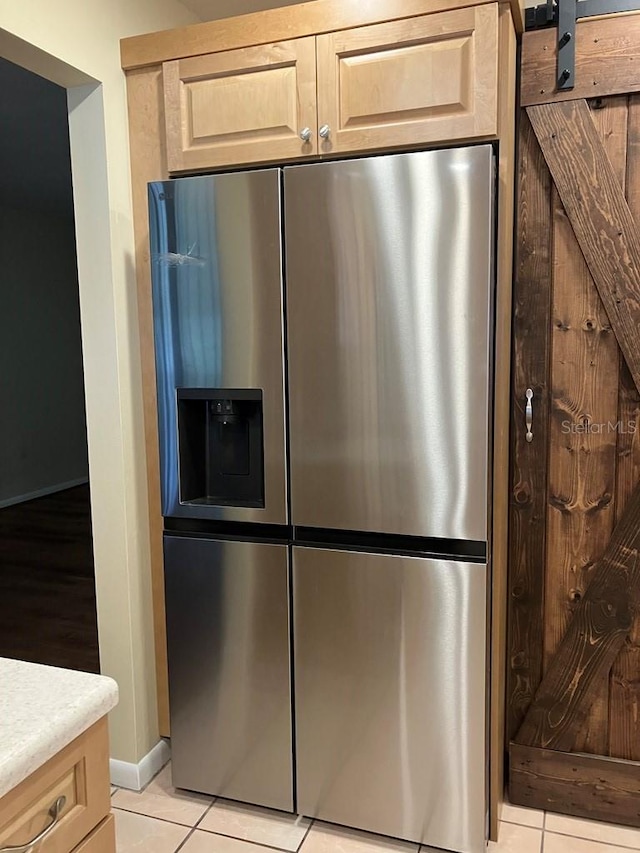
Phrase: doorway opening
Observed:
(47, 573)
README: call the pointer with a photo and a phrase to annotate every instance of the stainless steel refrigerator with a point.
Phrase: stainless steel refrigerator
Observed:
(323, 344)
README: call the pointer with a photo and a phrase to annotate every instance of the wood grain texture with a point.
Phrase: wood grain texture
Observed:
(281, 24)
(101, 840)
(582, 785)
(624, 696)
(148, 163)
(580, 516)
(531, 347)
(502, 401)
(594, 637)
(241, 106)
(607, 57)
(598, 213)
(410, 82)
(610, 118)
(87, 759)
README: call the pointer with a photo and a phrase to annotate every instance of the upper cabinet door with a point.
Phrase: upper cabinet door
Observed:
(420, 80)
(241, 106)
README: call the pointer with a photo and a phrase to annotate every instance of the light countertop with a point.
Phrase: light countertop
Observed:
(42, 709)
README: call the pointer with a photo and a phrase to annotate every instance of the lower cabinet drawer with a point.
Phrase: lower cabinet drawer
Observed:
(101, 840)
(64, 800)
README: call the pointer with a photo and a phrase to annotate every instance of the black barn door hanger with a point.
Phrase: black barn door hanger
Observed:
(565, 13)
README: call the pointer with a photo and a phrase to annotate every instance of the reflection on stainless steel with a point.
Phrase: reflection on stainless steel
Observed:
(389, 285)
(390, 694)
(229, 681)
(217, 302)
(388, 299)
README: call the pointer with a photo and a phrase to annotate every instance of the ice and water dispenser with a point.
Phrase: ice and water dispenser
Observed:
(221, 449)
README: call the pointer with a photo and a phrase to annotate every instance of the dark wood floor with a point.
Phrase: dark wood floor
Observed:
(47, 587)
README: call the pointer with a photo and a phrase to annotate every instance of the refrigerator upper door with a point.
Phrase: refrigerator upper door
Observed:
(389, 282)
(389, 682)
(216, 272)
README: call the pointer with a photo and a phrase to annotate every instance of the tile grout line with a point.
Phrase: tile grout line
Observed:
(250, 841)
(185, 839)
(156, 817)
(204, 813)
(613, 844)
(311, 822)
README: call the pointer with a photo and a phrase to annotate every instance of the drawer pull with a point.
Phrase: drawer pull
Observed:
(54, 813)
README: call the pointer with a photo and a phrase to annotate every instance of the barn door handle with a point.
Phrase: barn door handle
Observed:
(528, 414)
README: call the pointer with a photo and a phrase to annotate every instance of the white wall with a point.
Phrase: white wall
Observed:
(76, 43)
(43, 442)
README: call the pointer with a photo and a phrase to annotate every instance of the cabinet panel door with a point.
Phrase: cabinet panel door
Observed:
(428, 79)
(241, 106)
(101, 840)
(80, 774)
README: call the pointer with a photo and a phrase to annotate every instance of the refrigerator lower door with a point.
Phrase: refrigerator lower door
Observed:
(390, 686)
(229, 669)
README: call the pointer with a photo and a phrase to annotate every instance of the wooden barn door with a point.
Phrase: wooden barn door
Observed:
(574, 625)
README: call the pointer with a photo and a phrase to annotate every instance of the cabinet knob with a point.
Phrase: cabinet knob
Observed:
(306, 134)
(325, 131)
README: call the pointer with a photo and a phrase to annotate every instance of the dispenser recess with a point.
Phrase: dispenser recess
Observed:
(221, 447)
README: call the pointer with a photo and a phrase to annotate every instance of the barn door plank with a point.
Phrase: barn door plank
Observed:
(584, 389)
(624, 711)
(595, 636)
(599, 375)
(598, 212)
(532, 320)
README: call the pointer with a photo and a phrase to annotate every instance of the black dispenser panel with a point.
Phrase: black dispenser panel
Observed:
(221, 447)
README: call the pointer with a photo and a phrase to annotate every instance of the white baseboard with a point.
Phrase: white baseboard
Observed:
(124, 774)
(40, 493)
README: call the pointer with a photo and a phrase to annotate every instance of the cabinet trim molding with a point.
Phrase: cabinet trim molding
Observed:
(282, 24)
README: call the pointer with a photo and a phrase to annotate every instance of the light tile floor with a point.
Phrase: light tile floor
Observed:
(163, 820)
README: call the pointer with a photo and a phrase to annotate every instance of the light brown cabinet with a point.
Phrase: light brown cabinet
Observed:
(241, 106)
(402, 83)
(101, 840)
(80, 774)
(410, 82)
